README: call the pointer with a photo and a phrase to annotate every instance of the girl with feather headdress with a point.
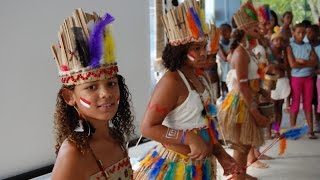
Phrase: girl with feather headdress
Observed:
(93, 111)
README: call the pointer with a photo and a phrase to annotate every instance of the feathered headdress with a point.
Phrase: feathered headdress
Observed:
(246, 16)
(185, 23)
(85, 54)
(264, 13)
(214, 37)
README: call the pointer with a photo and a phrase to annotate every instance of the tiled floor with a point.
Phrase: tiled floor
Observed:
(300, 162)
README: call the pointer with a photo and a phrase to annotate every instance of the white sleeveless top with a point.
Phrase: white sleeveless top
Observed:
(252, 72)
(188, 114)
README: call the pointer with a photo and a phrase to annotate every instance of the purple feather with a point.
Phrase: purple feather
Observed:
(96, 40)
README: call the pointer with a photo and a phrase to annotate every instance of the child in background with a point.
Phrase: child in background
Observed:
(312, 35)
(222, 55)
(302, 59)
(286, 27)
(278, 65)
(93, 112)
(273, 23)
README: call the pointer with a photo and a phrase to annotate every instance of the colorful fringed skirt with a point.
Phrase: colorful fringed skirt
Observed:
(162, 163)
(236, 122)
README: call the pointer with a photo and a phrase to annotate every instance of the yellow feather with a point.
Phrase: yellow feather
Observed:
(179, 174)
(145, 160)
(109, 47)
(203, 21)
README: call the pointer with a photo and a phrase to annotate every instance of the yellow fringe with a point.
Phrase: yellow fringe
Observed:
(282, 146)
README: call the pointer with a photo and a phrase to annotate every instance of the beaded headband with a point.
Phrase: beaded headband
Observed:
(85, 51)
(185, 23)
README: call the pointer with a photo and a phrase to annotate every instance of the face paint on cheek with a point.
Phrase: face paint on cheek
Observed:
(85, 102)
(191, 57)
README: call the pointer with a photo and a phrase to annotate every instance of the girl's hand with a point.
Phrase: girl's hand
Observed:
(261, 120)
(199, 149)
(228, 164)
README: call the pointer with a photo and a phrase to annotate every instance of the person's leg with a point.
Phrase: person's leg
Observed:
(252, 156)
(241, 159)
(317, 108)
(296, 91)
(307, 104)
(278, 116)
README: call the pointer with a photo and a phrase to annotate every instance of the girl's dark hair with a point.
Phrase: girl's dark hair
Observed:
(275, 17)
(287, 13)
(66, 119)
(174, 57)
(236, 37)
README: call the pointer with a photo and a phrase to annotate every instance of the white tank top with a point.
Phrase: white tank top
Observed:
(188, 114)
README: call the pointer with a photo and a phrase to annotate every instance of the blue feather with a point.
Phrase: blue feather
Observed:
(205, 135)
(194, 171)
(96, 40)
(212, 109)
(295, 132)
(268, 13)
(197, 20)
(156, 169)
(216, 133)
(205, 175)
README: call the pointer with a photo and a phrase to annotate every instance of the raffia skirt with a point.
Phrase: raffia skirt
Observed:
(162, 163)
(237, 123)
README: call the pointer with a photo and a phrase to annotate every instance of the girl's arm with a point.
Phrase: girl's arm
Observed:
(164, 99)
(293, 62)
(313, 60)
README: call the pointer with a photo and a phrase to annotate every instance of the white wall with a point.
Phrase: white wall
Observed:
(29, 81)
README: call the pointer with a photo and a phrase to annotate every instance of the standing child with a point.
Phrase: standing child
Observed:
(93, 112)
(286, 27)
(312, 35)
(223, 54)
(278, 66)
(302, 60)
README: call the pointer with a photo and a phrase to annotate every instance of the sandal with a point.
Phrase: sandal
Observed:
(312, 136)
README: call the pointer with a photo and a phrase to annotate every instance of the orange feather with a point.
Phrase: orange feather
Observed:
(193, 26)
(282, 146)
